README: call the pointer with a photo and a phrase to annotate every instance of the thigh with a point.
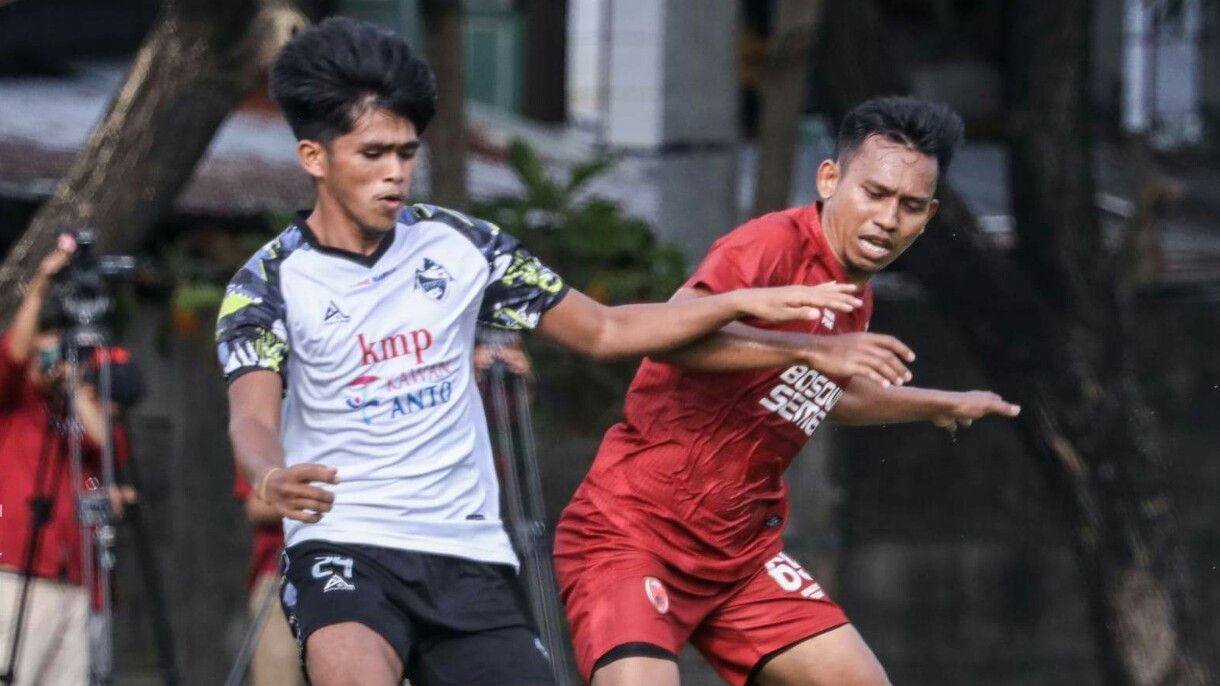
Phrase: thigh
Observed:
(351, 654)
(35, 633)
(339, 605)
(70, 661)
(838, 657)
(623, 608)
(778, 607)
(630, 671)
(508, 656)
(54, 642)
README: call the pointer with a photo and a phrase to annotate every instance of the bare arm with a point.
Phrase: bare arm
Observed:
(739, 347)
(92, 414)
(254, 429)
(605, 333)
(25, 320)
(865, 402)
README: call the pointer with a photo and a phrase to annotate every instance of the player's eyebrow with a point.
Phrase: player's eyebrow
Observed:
(880, 188)
(370, 146)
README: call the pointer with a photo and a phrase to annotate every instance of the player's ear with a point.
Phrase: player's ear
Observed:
(312, 156)
(829, 175)
(932, 208)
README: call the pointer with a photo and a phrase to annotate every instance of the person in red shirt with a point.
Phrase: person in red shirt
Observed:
(53, 646)
(675, 534)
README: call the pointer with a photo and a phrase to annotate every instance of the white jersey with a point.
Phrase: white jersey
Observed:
(376, 357)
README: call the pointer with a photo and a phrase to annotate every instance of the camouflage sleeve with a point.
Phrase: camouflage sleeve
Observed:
(250, 329)
(520, 287)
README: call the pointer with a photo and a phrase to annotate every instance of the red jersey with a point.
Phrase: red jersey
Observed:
(23, 421)
(268, 539)
(695, 469)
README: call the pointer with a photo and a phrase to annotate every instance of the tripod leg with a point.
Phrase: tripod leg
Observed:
(543, 586)
(41, 506)
(525, 513)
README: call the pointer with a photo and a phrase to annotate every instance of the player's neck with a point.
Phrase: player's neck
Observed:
(335, 228)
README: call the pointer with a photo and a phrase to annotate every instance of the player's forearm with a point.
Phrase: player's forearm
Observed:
(256, 448)
(25, 321)
(866, 402)
(739, 347)
(638, 330)
(92, 415)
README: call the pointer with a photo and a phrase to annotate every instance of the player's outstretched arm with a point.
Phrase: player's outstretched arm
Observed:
(605, 333)
(254, 428)
(865, 402)
(739, 347)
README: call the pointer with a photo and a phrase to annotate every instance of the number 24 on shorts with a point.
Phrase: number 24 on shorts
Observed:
(791, 576)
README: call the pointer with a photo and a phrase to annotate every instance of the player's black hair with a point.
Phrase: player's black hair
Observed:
(929, 127)
(330, 74)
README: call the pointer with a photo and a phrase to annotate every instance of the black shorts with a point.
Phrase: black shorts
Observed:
(451, 620)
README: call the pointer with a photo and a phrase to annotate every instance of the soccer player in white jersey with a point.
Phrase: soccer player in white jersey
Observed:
(346, 342)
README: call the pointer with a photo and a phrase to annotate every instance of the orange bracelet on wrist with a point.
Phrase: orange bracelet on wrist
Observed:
(262, 483)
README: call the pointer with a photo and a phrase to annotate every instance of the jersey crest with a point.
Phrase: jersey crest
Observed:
(433, 279)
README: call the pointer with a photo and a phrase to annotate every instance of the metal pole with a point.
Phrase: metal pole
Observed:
(526, 514)
(93, 507)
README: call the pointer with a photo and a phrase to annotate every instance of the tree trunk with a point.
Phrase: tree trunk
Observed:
(1051, 330)
(198, 60)
(785, 79)
(447, 133)
(1121, 513)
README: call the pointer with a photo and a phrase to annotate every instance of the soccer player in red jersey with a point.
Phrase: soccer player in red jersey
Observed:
(674, 536)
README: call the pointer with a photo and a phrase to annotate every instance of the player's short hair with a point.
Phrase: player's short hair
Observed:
(329, 75)
(929, 127)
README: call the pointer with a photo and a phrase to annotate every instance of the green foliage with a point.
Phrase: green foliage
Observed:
(597, 249)
(200, 264)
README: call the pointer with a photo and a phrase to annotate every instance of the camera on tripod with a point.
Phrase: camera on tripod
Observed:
(80, 289)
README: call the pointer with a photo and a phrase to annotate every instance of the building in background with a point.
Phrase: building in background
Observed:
(652, 83)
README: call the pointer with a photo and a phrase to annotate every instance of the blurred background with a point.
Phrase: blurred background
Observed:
(1074, 268)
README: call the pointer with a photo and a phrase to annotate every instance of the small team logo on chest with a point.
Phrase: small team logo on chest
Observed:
(433, 279)
(828, 319)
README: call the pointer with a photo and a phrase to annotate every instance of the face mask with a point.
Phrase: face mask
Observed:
(47, 357)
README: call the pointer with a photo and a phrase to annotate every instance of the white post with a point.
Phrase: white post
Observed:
(656, 82)
(1176, 104)
(1135, 67)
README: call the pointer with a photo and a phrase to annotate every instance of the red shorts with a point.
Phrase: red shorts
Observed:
(617, 593)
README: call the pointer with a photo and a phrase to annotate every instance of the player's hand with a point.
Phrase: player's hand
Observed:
(289, 490)
(878, 357)
(965, 407)
(787, 303)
